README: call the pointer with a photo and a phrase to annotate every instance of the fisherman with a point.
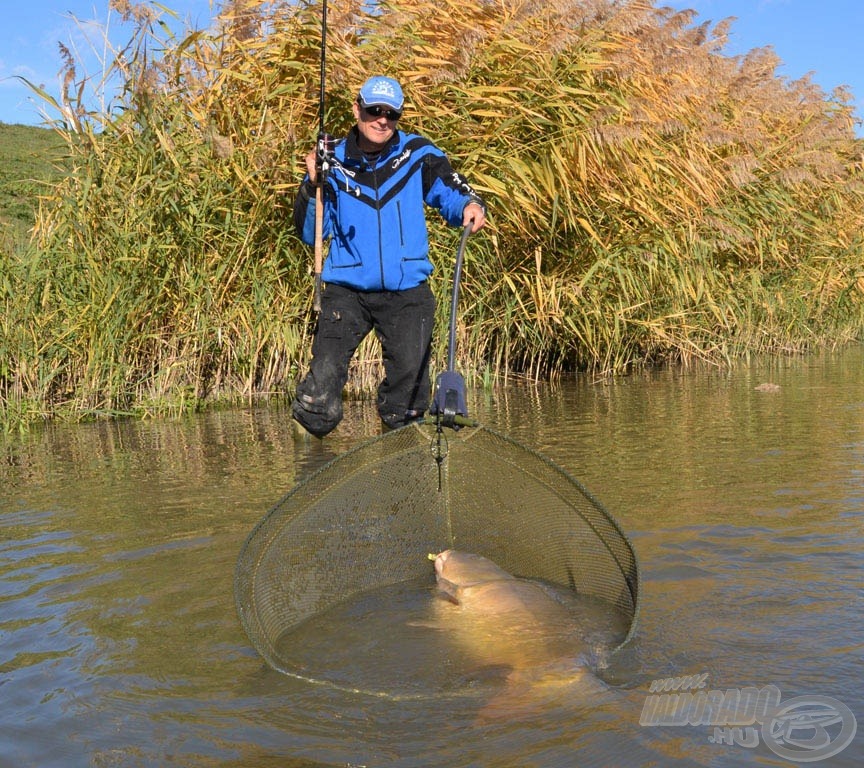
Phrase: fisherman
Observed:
(377, 181)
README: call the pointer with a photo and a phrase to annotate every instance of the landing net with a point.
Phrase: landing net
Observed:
(369, 518)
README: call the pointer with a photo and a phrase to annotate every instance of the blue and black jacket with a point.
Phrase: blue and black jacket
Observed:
(374, 211)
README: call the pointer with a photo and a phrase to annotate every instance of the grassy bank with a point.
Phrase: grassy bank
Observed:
(651, 200)
(30, 159)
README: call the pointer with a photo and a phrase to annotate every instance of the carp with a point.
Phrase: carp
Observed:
(520, 629)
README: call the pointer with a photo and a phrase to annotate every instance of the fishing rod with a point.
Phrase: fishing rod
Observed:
(323, 162)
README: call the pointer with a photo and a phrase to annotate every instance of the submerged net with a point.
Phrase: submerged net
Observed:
(369, 518)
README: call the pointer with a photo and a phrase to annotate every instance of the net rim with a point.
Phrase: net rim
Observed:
(631, 575)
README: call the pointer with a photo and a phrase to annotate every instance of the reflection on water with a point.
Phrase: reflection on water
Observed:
(120, 644)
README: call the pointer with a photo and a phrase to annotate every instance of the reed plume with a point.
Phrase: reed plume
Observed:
(651, 199)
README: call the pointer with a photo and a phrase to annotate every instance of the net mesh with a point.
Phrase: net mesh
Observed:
(368, 519)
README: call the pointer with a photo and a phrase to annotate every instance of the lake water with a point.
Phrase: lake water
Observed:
(120, 643)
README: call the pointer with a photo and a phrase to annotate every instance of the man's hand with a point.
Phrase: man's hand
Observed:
(322, 153)
(474, 215)
(312, 166)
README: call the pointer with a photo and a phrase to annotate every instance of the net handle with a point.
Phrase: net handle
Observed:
(454, 301)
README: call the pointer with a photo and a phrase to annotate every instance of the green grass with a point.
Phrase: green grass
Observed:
(30, 158)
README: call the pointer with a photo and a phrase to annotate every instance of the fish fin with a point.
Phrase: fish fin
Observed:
(527, 694)
(449, 589)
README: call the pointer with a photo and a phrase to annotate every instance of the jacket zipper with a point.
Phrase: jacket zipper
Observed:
(401, 227)
(380, 232)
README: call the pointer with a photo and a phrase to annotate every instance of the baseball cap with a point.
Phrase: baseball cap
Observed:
(381, 90)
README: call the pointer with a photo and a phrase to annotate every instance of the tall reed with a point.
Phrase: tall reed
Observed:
(650, 199)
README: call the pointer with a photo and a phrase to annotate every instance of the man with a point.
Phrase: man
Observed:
(375, 274)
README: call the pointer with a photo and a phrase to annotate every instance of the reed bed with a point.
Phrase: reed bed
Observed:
(651, 200)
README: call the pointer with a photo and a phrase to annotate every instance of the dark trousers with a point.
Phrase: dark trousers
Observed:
(402, 321)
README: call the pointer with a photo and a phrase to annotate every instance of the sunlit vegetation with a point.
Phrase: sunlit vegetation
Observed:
(29, 159)
(651, 200)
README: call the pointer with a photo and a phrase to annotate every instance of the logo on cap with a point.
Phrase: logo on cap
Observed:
(382, 90)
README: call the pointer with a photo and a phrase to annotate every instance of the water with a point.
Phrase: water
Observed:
(120, 644)
(408, 642)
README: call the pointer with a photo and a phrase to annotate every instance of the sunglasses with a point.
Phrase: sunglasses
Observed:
(376, 111)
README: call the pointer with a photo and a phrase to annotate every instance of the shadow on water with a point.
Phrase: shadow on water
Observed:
(120, 644)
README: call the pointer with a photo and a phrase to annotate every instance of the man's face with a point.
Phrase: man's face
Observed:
(375, 131)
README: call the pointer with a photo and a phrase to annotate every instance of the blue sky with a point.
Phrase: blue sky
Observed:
(822, 37)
